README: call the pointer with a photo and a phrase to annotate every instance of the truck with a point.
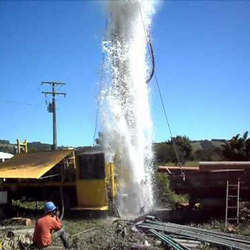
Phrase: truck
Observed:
(81, 181)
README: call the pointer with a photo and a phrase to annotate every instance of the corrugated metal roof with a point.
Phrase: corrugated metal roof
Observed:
(31, 165)
(227, 163)
(211, 165)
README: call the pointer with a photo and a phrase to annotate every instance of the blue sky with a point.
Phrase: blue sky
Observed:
(202, 54)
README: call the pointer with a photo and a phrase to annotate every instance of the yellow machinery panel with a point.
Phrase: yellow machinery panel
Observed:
(91, 182)
(91, 194)
(110, 179)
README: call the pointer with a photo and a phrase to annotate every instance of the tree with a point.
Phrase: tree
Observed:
(166, 151)
(213, 154)
(238, 148)
(183, 147)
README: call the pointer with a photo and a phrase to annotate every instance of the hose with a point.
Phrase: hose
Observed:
(153, 61)
(61, 193)
(62, 202)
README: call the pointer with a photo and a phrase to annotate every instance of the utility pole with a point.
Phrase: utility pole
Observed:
(52, 106)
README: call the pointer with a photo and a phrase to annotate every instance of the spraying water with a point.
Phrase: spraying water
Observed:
(125, 103)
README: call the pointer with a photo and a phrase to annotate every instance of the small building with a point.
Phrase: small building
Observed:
(5, 156)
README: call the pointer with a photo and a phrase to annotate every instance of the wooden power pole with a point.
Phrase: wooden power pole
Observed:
(52, 106)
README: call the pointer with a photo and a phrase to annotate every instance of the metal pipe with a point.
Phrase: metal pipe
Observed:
(168, 240)
(198, 236)
(238, 238)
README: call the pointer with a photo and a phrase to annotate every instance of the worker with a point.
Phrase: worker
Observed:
(45, 226)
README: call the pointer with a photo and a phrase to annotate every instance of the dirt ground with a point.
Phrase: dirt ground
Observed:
(86, 231)
(101, 231)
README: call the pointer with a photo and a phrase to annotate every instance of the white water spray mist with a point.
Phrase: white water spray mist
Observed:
(124, 103)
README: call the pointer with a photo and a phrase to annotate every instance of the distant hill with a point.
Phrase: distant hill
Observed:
(207, 144)
(201, 149)
(7, 147)
(38, 146)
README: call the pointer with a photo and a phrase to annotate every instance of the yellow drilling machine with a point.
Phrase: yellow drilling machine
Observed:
(81, 181)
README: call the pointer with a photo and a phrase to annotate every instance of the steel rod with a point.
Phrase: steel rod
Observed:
(239, 238)
(198, 236)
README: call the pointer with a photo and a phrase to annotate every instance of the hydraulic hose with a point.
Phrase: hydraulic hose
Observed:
(152, 61)
(62, 202)
(61, 193)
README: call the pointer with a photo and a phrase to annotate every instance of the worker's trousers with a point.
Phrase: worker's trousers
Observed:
(63, 236)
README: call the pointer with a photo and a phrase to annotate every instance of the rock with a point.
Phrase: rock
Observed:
(134, 229)
(146, 243)
(18, 232)
(231, 229)
(17, 221)
(158, 243)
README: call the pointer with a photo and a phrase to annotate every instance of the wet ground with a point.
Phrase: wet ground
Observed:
(98, 230)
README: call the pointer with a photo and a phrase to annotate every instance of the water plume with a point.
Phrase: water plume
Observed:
(124, 103)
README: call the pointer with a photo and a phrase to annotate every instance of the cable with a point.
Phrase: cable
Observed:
(153, 73)
(166, 118)
(61, 191)
(97, 110)
(96, 123)
(101, 80)
(149, 47)
(62, 202)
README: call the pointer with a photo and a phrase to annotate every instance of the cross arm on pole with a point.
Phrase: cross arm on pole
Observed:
(53, 93)
(55, 83)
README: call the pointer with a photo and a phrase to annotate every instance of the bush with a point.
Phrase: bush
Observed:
(163, 193)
